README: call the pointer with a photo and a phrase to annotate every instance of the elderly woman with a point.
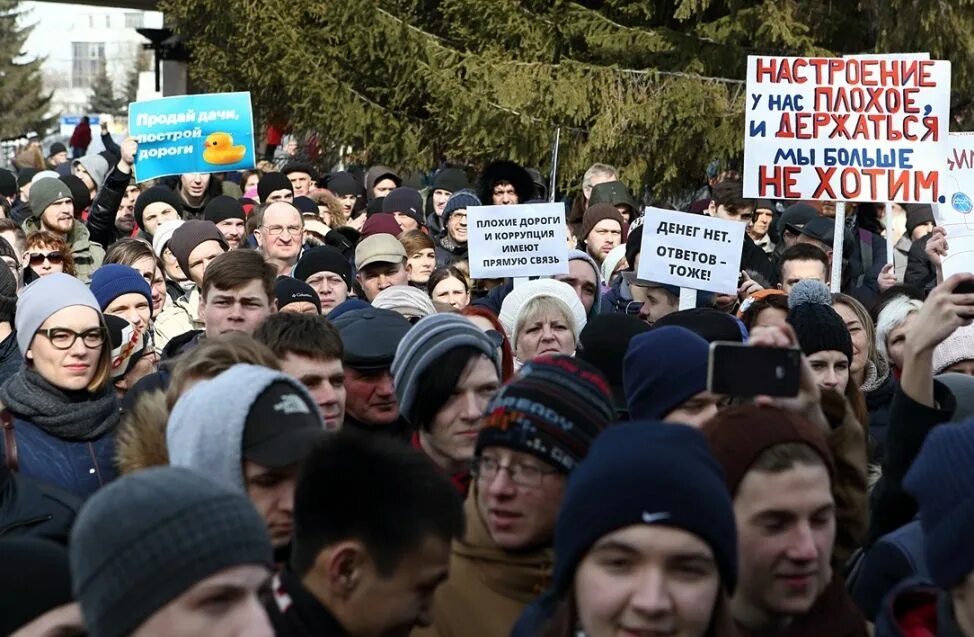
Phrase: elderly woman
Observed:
(542, 317)
(892, 326)
(60, 410)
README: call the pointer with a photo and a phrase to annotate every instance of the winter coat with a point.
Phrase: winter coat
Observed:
(488, 586)
(901, 257)
(81, 136)
(32, 509)
(896, 557)
(295, 612)
(878, 402)
(866, 261)
(618, 299)
(141, 437)
(104, 209)
(832, 615)
(917, 609)
(755, 259)
(11, 360)
(88, 256)
(448, 252)
(178, 317)
(921, 273)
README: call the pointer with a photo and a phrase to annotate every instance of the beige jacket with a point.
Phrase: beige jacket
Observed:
(178, 318)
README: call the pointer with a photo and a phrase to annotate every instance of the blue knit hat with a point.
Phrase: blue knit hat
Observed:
(663, 369)
(113, 280)
(942, 483)
(458, 200)
(645, 472)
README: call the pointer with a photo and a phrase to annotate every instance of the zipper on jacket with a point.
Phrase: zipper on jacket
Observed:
(27, 522)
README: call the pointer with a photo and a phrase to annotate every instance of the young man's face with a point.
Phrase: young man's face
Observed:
(271, 490)
(155, 213)
(786, 531)
(59, 216)
(457, 225)
(125, 219)
(371, 397)
(606, 235)
(581, 277)
(194, 184)
(234, 231)
(383, 187)
(700, 408)
(656, 302)
(376, 277)
(222, 605)
(331, 290)
(440, 197)
(794, 271)
(744, 214)
(325, 380)
(504, 194)
(200, 258)
(238, 310)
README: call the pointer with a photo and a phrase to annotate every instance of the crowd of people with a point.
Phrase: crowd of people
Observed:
(275, 403)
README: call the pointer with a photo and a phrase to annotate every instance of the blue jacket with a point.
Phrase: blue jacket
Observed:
(78, 467)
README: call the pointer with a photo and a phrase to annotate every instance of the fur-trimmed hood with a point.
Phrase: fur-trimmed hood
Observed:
(141, 439)
(509, 171)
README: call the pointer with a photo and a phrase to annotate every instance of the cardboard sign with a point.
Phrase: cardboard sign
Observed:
(691, 251)
(955, 210)
(192, 134)
(517, 241)
(846, 129)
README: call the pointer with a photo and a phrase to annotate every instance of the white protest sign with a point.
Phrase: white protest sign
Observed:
(691, 251)
(517, 241)
(846, 129)
(955, 211)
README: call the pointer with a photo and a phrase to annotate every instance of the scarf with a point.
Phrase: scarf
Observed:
(69, 415)
(875, 376)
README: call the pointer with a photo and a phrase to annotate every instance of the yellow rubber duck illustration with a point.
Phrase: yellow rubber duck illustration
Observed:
(220, 149)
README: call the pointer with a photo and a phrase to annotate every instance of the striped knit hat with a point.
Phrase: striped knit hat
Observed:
(424, 344)
(553, 409)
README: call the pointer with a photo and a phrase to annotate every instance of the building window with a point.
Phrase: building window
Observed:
(87, 58)
(133, 20)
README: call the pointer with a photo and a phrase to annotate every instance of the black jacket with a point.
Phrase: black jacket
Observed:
(920, 272)
(295, 612)
(101, 217)
(30, 508)
(878, 402)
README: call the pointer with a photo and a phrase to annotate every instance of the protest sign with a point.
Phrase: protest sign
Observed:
(517, 241)
(955, 209)
(192, 134)
(846, 129)
(691, 251)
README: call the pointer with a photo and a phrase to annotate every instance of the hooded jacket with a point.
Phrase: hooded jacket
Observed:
(509, 171)
(34, 509)
(488, 587)
(917, 609)
(141, 439)
(372, 176)
(88, 256)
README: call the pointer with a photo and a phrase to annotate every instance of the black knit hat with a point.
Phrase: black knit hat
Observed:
(450, 180)
(8, 183)
(553, 409)
(323, 259)
(916, 215)
(223, 207)
(272, 182)
(80, 194)
(633, 246)
(407, 201)
(344, 183)
(288, 290)
(305, 205)
(818, 326)
(155, 195)
(191, 234)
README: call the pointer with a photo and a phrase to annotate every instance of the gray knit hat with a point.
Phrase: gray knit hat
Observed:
(46, 191)
(191, 234)
(44, 297)
(146, 538)
(426, 342)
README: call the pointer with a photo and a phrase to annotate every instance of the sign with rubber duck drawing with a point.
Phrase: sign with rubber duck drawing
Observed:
(208, 133)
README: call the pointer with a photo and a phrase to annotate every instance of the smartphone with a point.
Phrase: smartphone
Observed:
(739, 370)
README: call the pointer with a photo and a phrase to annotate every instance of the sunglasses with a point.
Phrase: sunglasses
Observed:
(37, 258)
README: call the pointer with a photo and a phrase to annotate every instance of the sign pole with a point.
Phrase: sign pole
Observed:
(837, 246)
(688, 298)
(888, 222)
(554, 165)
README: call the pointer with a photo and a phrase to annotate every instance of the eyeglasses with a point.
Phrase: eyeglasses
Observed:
(526, 475)
(37, 258)
(273, 231)
(63, 338)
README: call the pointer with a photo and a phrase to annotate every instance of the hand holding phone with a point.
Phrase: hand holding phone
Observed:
(740, 370)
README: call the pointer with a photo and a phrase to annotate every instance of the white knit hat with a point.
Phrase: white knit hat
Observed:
(523, 293)
(163, 234)
(956, 348)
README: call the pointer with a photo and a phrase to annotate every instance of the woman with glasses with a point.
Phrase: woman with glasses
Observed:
(46, 254)
(445, 370)
(59, 411)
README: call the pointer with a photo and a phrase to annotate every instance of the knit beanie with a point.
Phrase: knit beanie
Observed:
(410, 301)
(221, 208)
(374, 207)
(645, 473)
(523, 293)
(765, 427)
(112, 280)
(163, 235)
(8, 294)
(956, 348)
(942, 483)
(323, 259)
(818, 326)
(128, 344)
(79, 192)
(288, 290)
(35, 579)
(611, 261)
(272, 182)
(917, 214)
(663, 369)
(191, 234)
(156, 194)
(459, 200)
(451, 180)
(407, 201)
(146, 538)
(425, 344)
(44, 297)
(8, 183)
(601, 212)
(634, 246)
(45, 192)
(553, 409)
(24, 175)
(604, 342)
(381, 223)
(344, 183)
(44, 174)
(97, 167)
(712, 325)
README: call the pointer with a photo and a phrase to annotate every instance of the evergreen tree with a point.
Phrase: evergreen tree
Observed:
(103, 100)
(23, 102)
(652, 86)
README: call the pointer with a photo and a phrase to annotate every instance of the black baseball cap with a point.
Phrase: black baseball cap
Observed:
(281, 427)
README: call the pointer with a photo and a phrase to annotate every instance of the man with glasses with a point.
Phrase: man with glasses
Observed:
(536, 429)
(53, 210)
(279, 235)
(451, 246)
